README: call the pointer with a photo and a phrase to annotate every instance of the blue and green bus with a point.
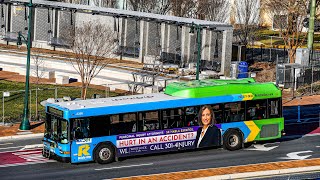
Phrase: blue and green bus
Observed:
(102, 130)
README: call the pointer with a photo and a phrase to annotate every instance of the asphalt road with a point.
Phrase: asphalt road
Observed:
(36, 167)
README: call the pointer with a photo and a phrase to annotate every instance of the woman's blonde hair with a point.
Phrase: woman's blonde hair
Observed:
(213, 120)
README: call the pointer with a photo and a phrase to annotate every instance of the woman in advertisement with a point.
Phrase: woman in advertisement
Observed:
(208, 134)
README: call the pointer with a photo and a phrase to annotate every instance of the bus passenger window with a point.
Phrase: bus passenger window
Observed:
(274, 108)
(130, 122)
(192, 116)
(148, 121)
(256, 110)
(234, 112)
(172, 118)
(218, 113)
(114, 125)
(80, 128)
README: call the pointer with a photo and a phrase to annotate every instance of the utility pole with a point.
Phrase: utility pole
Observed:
(311, 27)
(198, 29)
(25, 124)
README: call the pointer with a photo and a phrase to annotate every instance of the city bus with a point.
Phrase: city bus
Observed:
(106, 129)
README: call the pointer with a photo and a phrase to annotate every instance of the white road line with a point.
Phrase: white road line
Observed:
(32, 146)
(26, 163)
(119, 167)
(28, 152)
(11, 147)
(317, 146)
(5, 144)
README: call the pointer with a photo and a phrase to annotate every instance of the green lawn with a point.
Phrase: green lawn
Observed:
(263, 36)
(13, 105)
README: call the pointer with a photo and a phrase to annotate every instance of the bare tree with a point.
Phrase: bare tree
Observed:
(184, 8)
(135, 5)
(215, 10)
(104, 3)
(150, 6)
(291, 26)
(91, 45)
(247, 17)
(38, 72)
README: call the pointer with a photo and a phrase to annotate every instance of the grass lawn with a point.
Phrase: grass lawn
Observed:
(14, 104)
(264, 37)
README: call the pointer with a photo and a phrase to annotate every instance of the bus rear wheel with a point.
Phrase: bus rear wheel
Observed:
(232, 140)
(104, 154)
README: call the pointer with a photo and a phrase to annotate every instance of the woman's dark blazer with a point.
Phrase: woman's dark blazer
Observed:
(211, 138)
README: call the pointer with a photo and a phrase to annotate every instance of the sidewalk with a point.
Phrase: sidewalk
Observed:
(305, 100)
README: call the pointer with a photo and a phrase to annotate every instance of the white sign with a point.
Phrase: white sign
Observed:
(6, 94)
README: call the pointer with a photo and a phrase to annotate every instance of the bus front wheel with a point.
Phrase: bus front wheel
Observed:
(104, 154)
(232, 140)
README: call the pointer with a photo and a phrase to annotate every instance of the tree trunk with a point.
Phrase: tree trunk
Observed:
(84, 91)
(292, 55)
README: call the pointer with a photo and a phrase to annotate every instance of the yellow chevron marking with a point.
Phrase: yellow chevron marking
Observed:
(247, 96)
(254, 130)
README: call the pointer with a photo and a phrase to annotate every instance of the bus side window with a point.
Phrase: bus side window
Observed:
(192, 116)
(218, 113)
(274, 108)
(99, 126)
(148, 121)
(130, 121)
(256, 110)
(172, 118)
(114, 125)
(80, 128)
(234, 112)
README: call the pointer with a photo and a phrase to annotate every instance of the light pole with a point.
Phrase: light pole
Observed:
(25, 124)
(198, 28)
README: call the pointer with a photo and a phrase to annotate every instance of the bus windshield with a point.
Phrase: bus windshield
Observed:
(56, 129)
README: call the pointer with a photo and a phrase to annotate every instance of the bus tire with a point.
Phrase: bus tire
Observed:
(232, 140)
(104, 154)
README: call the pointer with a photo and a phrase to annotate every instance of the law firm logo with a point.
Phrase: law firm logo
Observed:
(83, 150)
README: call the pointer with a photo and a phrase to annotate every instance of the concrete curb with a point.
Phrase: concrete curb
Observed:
(261, 173)
(18, 137)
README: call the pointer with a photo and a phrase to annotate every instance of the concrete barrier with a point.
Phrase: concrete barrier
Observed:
(62, 79)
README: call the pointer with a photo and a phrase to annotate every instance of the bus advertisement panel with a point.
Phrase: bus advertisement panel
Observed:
(160, 141)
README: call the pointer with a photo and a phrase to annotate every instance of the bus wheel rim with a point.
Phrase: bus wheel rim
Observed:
(233, 140)
(105, 154)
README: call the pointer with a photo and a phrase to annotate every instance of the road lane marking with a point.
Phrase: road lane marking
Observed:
(295, 155)
(119, 167)
(26, 163)
(11, 147)
(27, 152)
(32, 146)
(5, 144)
(261, 147)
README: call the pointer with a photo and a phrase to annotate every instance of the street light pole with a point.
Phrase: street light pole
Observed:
(198, 27)
(25, 124)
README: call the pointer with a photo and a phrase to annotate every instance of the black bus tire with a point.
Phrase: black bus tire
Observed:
(232, 140)
(104, 154)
